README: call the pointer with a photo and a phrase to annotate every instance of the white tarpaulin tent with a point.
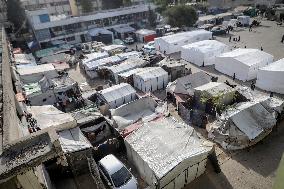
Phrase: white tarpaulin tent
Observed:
(145, 109)
(92, 66)
(203, 52)
(73, 140)
(33, 74)
(94, 56)
(49, 116)
(167, 154)
(246, 124)
(132, 54)
(173, 43)
(117, 95)
(271, 77)
(125, 66)
(244, 63)
(151, 79)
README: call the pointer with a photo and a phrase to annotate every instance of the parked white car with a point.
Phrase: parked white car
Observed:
(149, 48)
(115, 174)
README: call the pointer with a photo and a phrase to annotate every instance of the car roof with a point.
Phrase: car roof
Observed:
(111, 164)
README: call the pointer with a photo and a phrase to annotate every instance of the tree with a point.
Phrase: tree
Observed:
(181, 15)
(16, 14)
(87, 6)
(112, 4)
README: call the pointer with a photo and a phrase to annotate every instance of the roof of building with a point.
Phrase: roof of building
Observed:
(35, 69)
(248, 57)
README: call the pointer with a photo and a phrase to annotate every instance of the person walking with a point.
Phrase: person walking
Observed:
(239, 38)
(230, 38)
(282, 39)
(261, 48)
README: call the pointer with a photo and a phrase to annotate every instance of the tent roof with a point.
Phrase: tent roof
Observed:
(164, 143)
(117, 91)
(97, 31)
(95, 56)
(134, 71)
(73, 140)
(275, 66)
(24, 59)
(206, 46)
(35, 69)
(214, 88)
(102, 62)
(124, 29)
(130, 54)
(248, 57)
(112, 47)
(184, 36)
(127, 65)
(145, 32)
(151, 73)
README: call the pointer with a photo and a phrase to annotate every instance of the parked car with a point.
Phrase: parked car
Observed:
(129, 40)
(118, 42)
(149, 48)
(115, 174)
(218, 30)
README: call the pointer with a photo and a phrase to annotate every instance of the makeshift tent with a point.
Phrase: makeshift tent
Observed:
(145, 35)
(132, 54)
(173, 43)
(144, 109)
(94, 56)
(123, 30)
(167, 154)
(61, 66)
(61, 57)
(246, 124)
(33, 74)
(73, 140)
(127, 77)
(49, 116)
(151, 79)
(271, 77)
(117, 95)
(174, 68)
(186, 85)
(111, 48)
(127, 65)
(92, 67)
(101, 35)
(244, 20)
(203, 52)
(24, 59)
(244, 63)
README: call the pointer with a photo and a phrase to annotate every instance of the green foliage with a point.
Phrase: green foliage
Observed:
(16, 13)
(112, 4)
(181, 15)
(87, 6)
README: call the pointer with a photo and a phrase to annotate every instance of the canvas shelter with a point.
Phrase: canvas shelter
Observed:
(271, 77)
(49, 116)
(173, 43)
(151, 79)
(145, 35)
(167, 154)
(92, 66)
(125, 66)
(116, 95)
(132, 54)
(94, 56)
(246, 124)
(24, 59)
(186, 85)
(203, 52)
(244, 63)
(127, 77)
(33, 74)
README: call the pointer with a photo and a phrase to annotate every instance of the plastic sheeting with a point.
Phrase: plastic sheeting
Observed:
(271, 77)
(33, 74)
(144, 109)
(49, 116)
(247, 123)
(151, 79)
(203, 52)
(167, 154)
(244, 63)
(24, 59)
(94, 56)
(61, 57)
(117, 95)
(173, 43)
(187, 84)
(73, 140)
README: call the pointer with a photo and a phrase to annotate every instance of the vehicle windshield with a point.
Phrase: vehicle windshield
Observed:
(121, 177)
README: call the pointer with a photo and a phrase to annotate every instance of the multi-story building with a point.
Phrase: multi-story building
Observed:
(235, 3)
(55, 7)
(3, 11)
(73, 30)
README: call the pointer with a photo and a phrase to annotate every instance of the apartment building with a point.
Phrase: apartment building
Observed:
(235, 3)
(55, 7)
(72, 30)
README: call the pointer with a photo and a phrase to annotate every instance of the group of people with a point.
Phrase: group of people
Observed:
(238, 39)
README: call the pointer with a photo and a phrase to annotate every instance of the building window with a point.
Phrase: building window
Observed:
(44, 18)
